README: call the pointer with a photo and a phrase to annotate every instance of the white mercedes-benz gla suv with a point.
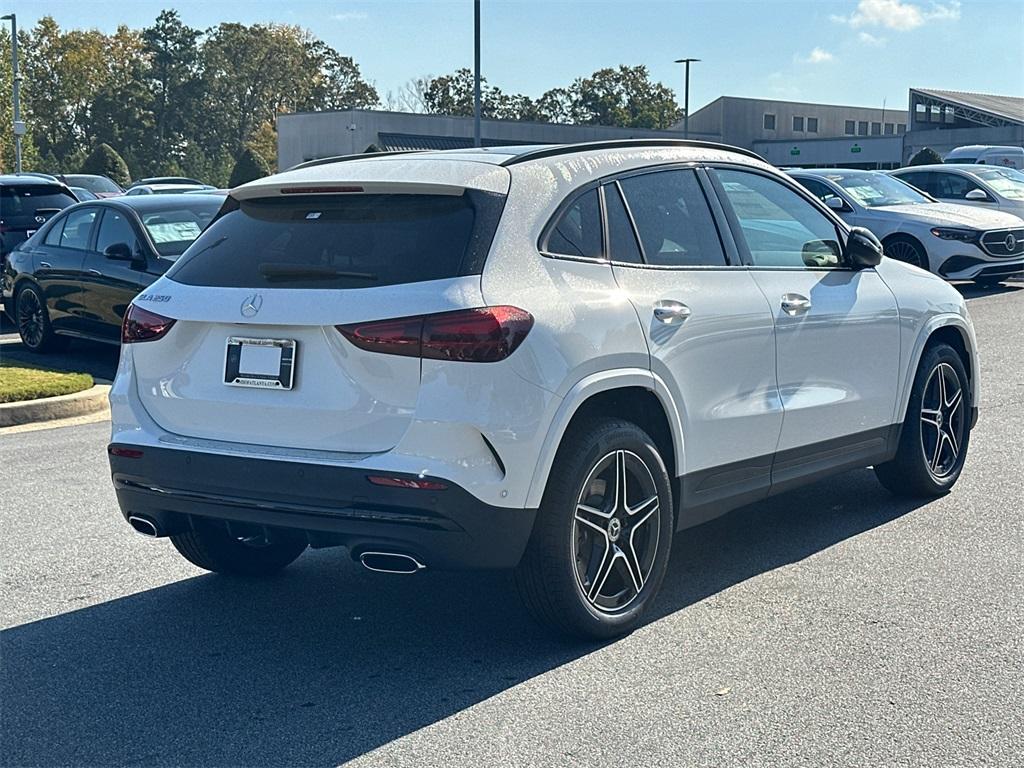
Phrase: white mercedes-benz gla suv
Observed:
(546, 359)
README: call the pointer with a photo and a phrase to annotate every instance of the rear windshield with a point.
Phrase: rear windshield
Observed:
(20, 202)
(174, 226)
(354, 241)
(93, 183)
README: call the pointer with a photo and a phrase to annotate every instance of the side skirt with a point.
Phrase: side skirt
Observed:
(710, 493)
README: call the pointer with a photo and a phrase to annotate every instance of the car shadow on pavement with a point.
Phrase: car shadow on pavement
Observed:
(326, 662)
(974, 291)
(81, 356)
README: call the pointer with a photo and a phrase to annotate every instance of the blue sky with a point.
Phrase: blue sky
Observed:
(835, 51)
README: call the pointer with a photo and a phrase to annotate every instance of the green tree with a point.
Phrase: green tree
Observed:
(453, 95)
(626, 97)
(926, 156)
(249, 166)
(172, 79)
(104, 161)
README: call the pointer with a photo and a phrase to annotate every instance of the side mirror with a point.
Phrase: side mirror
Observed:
(976, 194)
(120, 252)
(863, 249)
(836, 203)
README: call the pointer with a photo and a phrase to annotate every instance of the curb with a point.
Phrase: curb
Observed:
(82, 403)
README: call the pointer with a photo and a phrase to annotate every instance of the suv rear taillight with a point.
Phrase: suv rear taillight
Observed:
(142, 325)
(483, 335)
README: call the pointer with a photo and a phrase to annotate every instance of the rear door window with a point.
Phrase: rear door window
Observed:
(351, 241)
(673, 220)
(78, 229)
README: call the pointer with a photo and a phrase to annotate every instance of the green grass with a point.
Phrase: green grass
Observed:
(21, 382)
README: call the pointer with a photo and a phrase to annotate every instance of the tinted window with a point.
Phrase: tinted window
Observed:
(778, 226)
(92, 183)
(53, 235)
(769, 122)
(890, 129)
(951, 186)
(862, 128)
(817, 188)
(114, 228)
(851, 127)
(24, 201)
(622, 245)
(876, 129)
(812, 125)
(798, 124)
(350, 241)
(923, 180)
(77, 228)
(673, 219)
(578, 229)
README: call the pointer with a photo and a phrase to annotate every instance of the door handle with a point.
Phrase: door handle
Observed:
(794, 304)
(671, 312)
(45, 265)
(94, 272)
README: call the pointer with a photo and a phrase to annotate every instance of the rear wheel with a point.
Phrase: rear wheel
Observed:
(214, 547)
(34, 321)
(907, 250)
(600, 545)
(936, 430)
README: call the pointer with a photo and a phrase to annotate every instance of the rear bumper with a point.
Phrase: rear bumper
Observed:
(446, 529)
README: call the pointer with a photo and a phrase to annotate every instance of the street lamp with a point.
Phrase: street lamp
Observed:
(476, 73)
(19, 126)
(686, 97)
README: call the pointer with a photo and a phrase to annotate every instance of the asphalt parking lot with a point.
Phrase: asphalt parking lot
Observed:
(834, 625)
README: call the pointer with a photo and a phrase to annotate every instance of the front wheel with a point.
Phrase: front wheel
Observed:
(213, 547)
(600, 545)
(936, 430)
(907, 250)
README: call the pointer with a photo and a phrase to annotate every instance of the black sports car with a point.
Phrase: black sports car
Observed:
(76, 276)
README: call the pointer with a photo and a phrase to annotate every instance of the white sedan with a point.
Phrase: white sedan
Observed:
(956, 242)
(983, 186)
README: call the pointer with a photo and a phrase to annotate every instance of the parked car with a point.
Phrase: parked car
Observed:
(168, 189)
(101, 186)
(76, 276)
(954, 241)
(1012, 157)
(82, 194)
(26, 202)
(994, 188)
(166, 180)
(545, 359)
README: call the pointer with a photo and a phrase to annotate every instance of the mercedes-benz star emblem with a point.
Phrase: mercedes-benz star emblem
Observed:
(252, 305)
(1010, 242)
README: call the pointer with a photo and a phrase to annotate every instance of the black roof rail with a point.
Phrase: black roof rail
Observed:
(346, 158)
(586, 146)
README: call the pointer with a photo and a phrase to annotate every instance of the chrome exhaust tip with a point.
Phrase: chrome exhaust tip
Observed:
(144, 526)
(390, 562)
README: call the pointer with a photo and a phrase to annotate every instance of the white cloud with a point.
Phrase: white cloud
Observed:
(898, 15)
(817, 56)
(349, 16)
(868, 39)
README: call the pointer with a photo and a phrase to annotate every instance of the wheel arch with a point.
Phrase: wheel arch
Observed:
(637, 395)
(955, 331)
(895, 236)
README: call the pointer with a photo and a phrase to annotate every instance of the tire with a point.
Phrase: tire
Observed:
(33, 321)
(211, 546)
(566, 578)
(907, 250)
(934, 439)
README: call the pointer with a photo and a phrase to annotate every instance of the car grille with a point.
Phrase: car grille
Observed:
(1004, 242)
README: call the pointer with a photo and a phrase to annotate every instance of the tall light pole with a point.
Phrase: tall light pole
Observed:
(476, 73)
(686, 97)
(19, 127)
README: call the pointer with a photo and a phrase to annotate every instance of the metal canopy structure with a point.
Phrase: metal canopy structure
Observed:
(956, 109)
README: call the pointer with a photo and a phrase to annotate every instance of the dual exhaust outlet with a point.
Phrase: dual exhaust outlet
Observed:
(378, 562)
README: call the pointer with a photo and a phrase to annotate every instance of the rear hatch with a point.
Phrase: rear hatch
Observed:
(255, 354)
(26, 207)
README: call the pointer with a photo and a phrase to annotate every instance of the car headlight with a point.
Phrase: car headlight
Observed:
(954, 233)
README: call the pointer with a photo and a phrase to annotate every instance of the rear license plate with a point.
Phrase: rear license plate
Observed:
(263, 363)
